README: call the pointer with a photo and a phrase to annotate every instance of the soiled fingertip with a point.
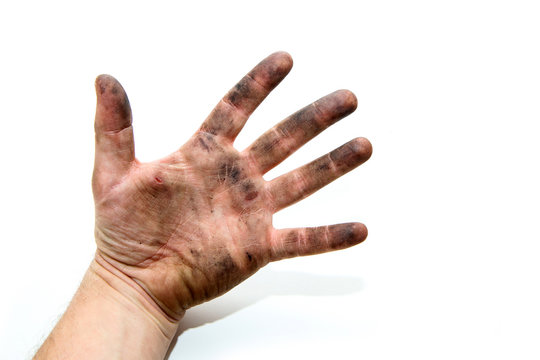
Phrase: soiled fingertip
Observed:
(108, 85)
(104, 77)
(283, 59)
(360, 233)
(362, 148)
(348, 99)
(347, 235)
(113, 112)
(276, 66)
(103, 82)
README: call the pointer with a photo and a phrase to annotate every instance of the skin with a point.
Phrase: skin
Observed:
(185, 229)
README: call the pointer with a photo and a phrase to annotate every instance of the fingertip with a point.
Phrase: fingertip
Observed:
(342, 103)
(102, 77)
(362, 147)
(360, 232)
(351, 234)
(107, 85)
(347, 235)
(276, 66)
(113, 109)
(285, 60)
(104, 82)
(353, 153)
(350, 101)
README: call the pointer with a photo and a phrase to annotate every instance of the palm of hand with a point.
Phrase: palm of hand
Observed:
(203, 224)
(193, 225)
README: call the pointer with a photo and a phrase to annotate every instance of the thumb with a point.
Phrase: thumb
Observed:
(115, 150)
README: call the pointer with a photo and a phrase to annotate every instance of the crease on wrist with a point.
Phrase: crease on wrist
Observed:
(139, 297)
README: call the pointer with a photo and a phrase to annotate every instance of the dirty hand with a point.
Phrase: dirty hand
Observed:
(194, 224)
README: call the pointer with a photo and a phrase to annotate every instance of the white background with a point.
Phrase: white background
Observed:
(448, 95)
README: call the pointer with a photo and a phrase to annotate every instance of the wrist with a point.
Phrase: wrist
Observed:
(130, 296)
(109, 318)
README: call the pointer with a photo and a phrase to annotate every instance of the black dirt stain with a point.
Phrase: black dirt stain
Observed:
(266, 144)
(349, 232)
(193, 203)
(226, 266)
(240, 91)
(314, 238)
(122, 108)
(323, 166)
(340, 236)
(347, 154)
(207, 141)
(203, 144)
(342, 111)
(211, 129)
(230, 171)
(290, 244)
(300, 119)
(250, 258)
(291, 238)
(248, 187)
(346, 236)
(234, 174)
(218, 121)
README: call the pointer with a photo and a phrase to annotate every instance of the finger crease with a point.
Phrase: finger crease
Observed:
(235, 107)
(319, 115)
(327, 236)
(114, 132)
(259, 83)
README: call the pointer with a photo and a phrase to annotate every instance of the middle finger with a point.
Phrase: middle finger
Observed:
(289, 135)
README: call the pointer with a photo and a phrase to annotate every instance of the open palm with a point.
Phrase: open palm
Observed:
(194, 224)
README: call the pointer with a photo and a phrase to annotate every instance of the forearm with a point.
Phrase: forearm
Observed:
(109, 318)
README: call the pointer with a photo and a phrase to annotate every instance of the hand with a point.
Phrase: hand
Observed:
(194, 224)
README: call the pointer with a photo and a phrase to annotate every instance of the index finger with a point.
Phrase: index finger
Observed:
(232, 112)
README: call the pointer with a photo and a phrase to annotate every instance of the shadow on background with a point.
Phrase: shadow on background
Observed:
(260, 286)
